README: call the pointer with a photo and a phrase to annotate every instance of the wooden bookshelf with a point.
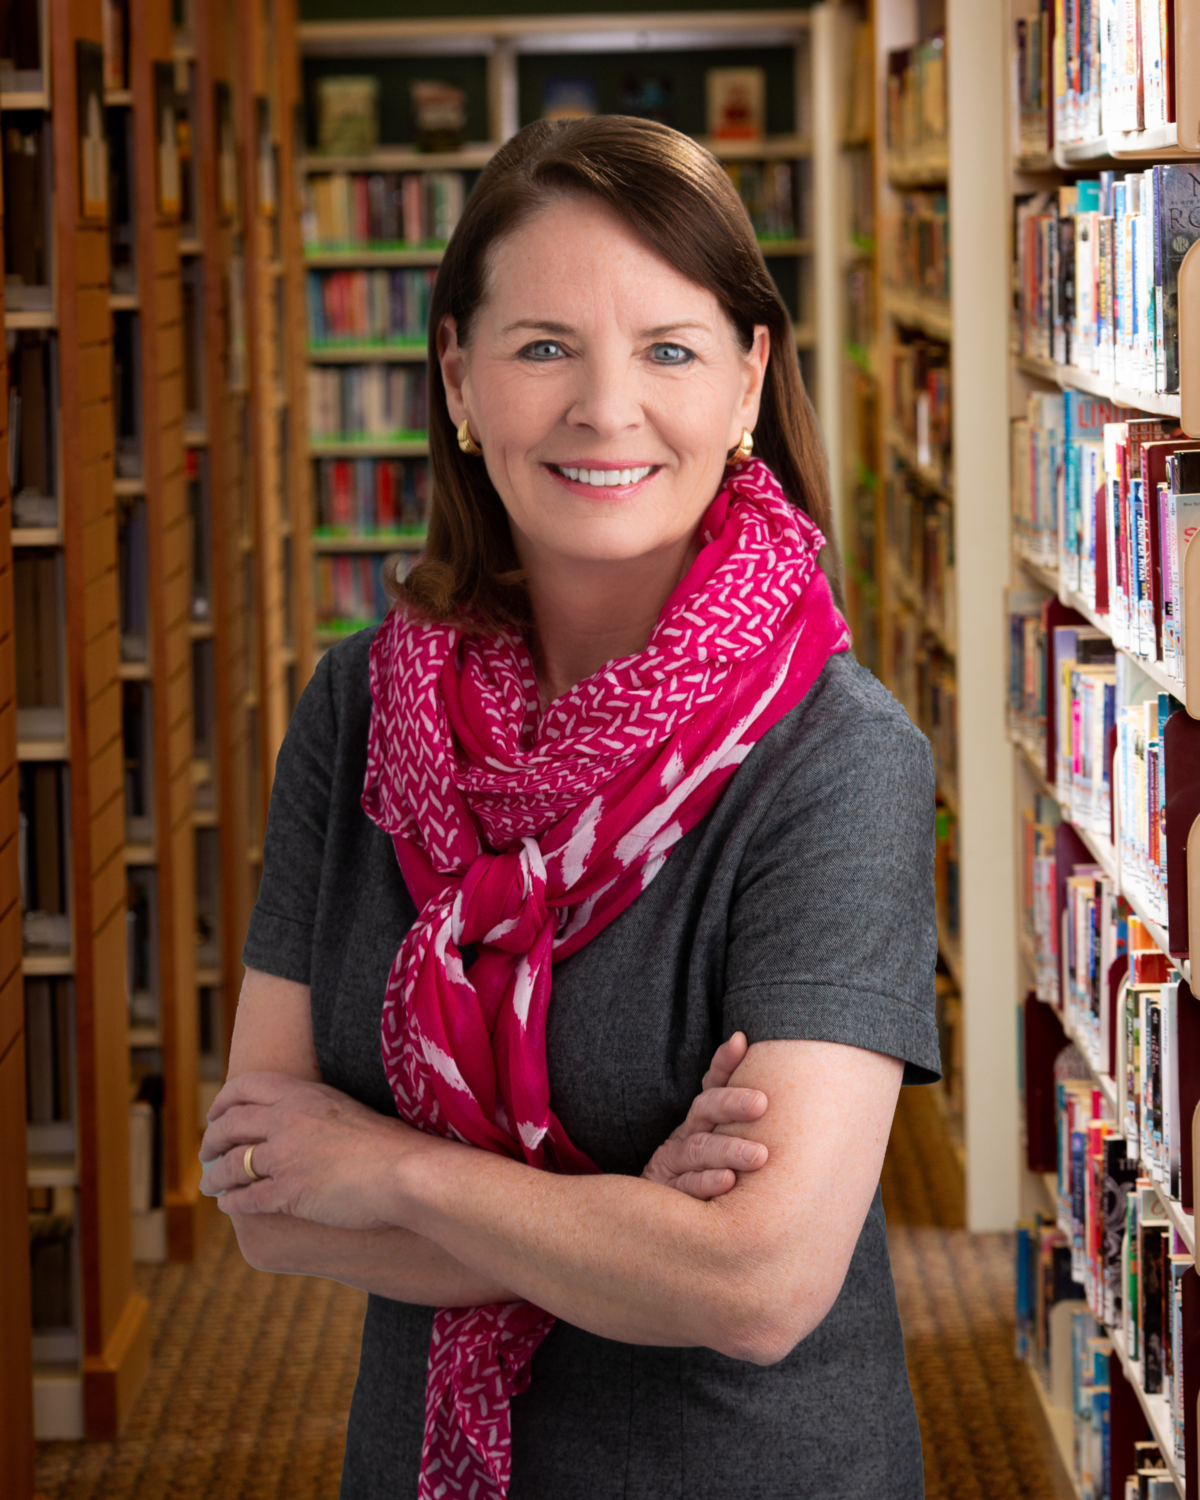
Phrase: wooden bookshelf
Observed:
(16, 1350)
(812, 258)
(91, 1394)
(268, 91)
(171, 1226)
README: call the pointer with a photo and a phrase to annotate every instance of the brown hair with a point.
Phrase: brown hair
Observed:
(677, 197)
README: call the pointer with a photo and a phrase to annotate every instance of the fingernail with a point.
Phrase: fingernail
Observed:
(746, 1101)
(752, 1152)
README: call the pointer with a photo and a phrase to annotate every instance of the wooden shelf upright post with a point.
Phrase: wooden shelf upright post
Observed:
(115, 1330)
(162, 418)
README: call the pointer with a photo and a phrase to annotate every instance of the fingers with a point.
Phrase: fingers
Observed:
(722, 1106)
(251, 1088)
(725, 1060)
(238, 1125)
(705, 1152)
(705, 1185)
(228, 1172)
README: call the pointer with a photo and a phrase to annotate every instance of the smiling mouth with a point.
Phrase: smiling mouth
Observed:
(605, 478)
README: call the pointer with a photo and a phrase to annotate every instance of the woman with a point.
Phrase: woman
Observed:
(610, 730)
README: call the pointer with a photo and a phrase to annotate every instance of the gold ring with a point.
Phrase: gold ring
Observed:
(248, 1163)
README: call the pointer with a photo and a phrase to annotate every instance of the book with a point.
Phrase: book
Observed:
(736, 103)
(347, 114)
(569, 98)
(440, 110)
(167, 175)
(42, 859)
(648, 96)
(89, 120)
(1179, 229)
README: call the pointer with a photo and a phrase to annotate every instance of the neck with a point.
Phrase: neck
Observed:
(586, 614)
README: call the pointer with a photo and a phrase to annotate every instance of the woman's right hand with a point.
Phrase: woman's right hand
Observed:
(694, 1158)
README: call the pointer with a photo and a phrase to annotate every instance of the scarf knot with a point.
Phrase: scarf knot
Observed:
(585, 803)
(502, 900)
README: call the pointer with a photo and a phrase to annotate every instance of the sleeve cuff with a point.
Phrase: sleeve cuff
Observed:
(278, 945)
(799, 1012)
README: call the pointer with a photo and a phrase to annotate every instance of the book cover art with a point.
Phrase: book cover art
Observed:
(648, 96)
(347, 114)
(1179, 229)
(573, 98)
(736, 103)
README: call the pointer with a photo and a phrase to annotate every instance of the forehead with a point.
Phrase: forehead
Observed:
(579, 251)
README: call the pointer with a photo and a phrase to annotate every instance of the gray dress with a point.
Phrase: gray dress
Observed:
(801, 907)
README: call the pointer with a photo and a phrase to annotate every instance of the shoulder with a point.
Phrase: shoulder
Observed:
(848, 736)
(337, 699)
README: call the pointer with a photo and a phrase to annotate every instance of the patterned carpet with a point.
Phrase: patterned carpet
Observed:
(252, 1374)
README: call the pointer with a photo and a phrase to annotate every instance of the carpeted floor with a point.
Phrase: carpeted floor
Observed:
(252, 1374)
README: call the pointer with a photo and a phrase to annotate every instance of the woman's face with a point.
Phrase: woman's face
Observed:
(604, 388)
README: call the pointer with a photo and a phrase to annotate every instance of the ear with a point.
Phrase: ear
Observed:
(754, 373)
(453, 359)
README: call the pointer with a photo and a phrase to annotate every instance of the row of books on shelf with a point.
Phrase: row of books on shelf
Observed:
(382, 210)
(1098, 273)
(32, 405)
(1121, 755)
(919, 249)
(920, 532)
(1109, 1114)
(924, 682)
(777, 197)
(364, 497)
(378, 307)
(916, 121)
(1090, 69)
(1112, 501)
(372, 401)
(353, 589)
(920, 402)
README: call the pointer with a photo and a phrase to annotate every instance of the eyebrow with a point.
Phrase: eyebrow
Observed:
(565, 329)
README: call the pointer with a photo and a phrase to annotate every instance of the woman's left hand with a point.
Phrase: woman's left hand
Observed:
(320, 1155)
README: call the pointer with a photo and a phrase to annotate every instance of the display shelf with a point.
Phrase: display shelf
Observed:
(906, 453)
(31, 319)
(913, 310)
(1061, 1423)
(47, 965)
(47, 750)
(52, 1171)
(1157, 1412)
(332, 260)
(36, 536)
(469, 158)
(12, 100)
(367, 448)
(358, 354)
(1070, 377)
(1158, 144)
(403, 542)
(930, 172)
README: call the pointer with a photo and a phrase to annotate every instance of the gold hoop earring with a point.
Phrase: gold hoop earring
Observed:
(466, 442)
(744, 449)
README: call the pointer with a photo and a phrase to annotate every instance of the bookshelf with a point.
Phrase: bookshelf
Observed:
(1092, 617)
(275, 537)
(503, 63)
(16, 1354)
(913, 518)
(90, 1336)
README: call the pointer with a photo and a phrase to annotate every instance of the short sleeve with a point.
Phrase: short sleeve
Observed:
(833, 931)
(280, 935)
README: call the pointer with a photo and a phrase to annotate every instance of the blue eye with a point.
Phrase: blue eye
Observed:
(542, 349)
(672, 354)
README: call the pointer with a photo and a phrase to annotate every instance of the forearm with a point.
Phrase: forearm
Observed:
(622, 1257)
(393, 1263)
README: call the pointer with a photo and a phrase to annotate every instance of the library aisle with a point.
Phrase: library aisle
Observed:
(223, 224)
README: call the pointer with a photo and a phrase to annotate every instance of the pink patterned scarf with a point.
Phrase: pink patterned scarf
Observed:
(584, 801)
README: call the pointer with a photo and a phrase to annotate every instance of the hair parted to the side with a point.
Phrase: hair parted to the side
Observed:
(678, 198)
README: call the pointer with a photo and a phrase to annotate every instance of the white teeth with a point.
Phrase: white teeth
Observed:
(610, 478)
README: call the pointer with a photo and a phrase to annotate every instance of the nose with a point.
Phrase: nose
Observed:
(607, 402)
